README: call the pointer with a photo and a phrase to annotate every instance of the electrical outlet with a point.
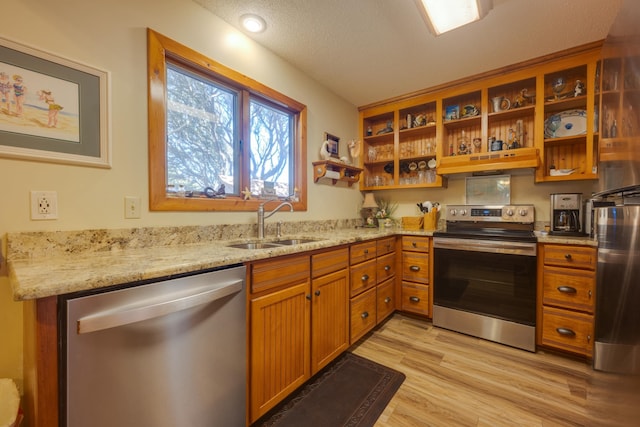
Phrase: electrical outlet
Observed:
(44, 205)
(131, 207)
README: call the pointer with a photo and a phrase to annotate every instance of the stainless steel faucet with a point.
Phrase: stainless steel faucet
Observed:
(262, 217)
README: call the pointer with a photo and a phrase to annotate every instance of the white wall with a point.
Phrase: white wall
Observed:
(111, 35)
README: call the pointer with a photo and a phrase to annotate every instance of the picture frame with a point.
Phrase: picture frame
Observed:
(52, 109)
(334, 145)
(452, 112)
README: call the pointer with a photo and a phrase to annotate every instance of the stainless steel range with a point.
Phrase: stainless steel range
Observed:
(485, 273)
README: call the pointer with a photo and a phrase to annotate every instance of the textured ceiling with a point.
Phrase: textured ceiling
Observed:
(370, 50)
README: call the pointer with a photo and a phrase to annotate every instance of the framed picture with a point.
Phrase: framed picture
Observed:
(52, 109)
(452, 112)
(334, 145)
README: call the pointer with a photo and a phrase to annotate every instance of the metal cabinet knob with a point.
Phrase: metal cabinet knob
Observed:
(414, 268)
(387, 300)
(364, 315)
(414, 244)
(308, 297)
(317, 293)
(567, 257)
(366, 251)
(387, 267)
(365, 277)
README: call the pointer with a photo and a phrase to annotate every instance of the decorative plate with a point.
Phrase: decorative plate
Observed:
(566, 123)
(469, 111)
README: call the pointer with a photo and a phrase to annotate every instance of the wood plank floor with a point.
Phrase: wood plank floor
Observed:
(457, 380)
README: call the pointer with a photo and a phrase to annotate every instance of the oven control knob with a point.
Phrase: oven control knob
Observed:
(463, 212)
(509, 212)
(523, 212)
(453, 212)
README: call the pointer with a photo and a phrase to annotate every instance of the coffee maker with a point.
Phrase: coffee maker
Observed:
(567, 214)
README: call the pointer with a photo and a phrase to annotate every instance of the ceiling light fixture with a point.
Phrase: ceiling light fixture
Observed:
(445, 15)
(253, 23)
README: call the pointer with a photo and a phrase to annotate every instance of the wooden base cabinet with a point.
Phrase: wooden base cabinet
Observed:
(299, 322)
(372, 285)
(566, 290)
(416, 275)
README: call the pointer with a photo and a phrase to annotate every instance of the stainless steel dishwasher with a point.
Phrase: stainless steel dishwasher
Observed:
(169, 353)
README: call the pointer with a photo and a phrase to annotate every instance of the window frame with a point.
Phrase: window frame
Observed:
(160, 50)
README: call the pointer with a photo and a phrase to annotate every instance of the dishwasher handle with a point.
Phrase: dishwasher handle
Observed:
(112, 319)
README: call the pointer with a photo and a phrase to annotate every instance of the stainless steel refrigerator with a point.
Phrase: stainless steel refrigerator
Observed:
(617, 329)
(617, 317)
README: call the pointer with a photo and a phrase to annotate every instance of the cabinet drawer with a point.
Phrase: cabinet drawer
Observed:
(386, 299)
(385, 246)
(569, 288)
(570, 256)
(362, 314)
(415, 298)
(567, 330)
(385, 267)
(363, 277)
(415, 267)
(415, 243)
(363, 251)
(328, 262)
(279, 272)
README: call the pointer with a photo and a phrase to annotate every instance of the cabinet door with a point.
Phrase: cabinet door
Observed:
(567, 330)
(385, 267)
(569, 288)
(362, 314)
(386, 299)
(415, 267)
(280, 345)
(329, 318)
(363, 277)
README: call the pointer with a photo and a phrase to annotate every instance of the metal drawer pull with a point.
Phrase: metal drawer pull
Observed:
(364, 315)
(365, 278)
(317, 293)
(308, 297)
(566, 332)
(414, 244)
(414, 268)
(414, 299)
(567, 289)
(387, 300)
(366, 251)
(567, 256)
(387, 267)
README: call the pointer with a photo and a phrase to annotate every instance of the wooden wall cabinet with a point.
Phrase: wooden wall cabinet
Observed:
(553, 132)
(566, 297)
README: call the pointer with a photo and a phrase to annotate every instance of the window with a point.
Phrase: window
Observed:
(216, 135)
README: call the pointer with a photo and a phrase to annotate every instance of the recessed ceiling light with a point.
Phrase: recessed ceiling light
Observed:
(253, 23)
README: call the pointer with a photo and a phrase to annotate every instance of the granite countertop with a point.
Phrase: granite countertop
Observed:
(46, 267)
(40, 277)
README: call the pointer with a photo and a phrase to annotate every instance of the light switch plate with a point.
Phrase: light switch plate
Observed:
(132, 207)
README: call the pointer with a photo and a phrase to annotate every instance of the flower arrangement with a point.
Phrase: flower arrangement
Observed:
(385, 209)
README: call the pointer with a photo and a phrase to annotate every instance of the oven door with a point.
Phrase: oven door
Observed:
(481, 286)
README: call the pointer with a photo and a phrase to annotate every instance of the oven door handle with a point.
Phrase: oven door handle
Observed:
(490, 246)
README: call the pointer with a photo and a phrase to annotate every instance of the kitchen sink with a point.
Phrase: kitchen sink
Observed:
(258, 245)
(290, 242)
(268, 245)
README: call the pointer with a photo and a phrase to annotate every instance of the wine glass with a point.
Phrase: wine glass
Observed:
(558, 85)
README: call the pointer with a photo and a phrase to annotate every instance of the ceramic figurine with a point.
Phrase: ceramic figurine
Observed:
(579, 89)
(324, 151)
